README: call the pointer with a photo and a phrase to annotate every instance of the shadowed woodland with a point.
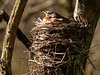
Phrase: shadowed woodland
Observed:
(73, 39)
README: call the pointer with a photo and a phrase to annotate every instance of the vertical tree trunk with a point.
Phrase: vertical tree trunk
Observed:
(8, 43)
(88, 10)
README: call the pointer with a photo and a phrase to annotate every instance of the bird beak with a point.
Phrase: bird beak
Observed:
(44, 12)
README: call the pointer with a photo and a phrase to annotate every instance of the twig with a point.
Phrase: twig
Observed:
(39, 19)
(91, 63)
(19, 34)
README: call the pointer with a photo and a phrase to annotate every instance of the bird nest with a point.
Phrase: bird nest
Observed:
(57, 48)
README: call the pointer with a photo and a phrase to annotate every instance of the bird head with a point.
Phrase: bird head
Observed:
(49, 14)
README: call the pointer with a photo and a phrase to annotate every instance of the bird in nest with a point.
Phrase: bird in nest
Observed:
(51, 16)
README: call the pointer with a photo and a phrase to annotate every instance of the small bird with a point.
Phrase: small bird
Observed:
(54, 17)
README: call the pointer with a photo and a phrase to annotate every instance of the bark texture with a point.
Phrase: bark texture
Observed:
(8, 44)
(88, 10)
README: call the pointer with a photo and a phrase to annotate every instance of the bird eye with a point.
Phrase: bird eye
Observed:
(48, 12)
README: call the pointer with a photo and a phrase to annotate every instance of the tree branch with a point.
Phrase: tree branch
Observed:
(8, 44)
(19, 34)
(88, 10)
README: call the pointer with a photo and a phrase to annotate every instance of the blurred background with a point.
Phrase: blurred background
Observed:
(33, 8)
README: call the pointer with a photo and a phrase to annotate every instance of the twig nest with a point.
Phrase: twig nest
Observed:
(55, 46)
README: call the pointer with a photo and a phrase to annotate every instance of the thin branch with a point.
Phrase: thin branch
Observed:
(20, 34)
(91, 63)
